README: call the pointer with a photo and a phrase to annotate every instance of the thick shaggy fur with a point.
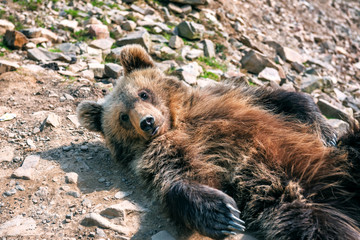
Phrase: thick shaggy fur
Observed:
(208, 149)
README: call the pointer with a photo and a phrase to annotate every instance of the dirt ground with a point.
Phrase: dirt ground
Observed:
(55, 208)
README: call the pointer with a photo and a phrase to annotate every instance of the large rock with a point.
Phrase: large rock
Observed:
(27, 169)
(72, 25)
(43, 55)
(18, 226)
(113, 70)
(190, 30)
(332, 111)
(7, 66)
(176, 42)
(191, 2)
(290, 55)
(209, 48)
(270, 74)
(255, 62)
(139, 37)
(15, 39)
(102, 44)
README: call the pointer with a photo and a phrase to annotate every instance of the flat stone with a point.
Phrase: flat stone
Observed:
(175, 8)
(162, 235)
(18, 226)
(53, 37)
(71, 177)
(94, 219)
(99, 31)
(139, 37)
(7, 66)
(53, 120)
(32, 32)
(332, 111)
(69, 48)
(73, 118)
(27, 168)
(6, 25)
(290, 55)
(176, 42)
(31, 144)
(158, 38)
(209, 48)
(39, 40)
(74, 194)
(138, 9)
(190, 2)
(113, 70)
(103, 44)
(43, 55)
(10, 192)
(128, 25)
(270, 74)
(15, 39)
(194, 53)
(321, 64)
(190, 30)
(6, 154)
(341, 127)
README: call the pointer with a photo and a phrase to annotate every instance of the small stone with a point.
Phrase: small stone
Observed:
(86, 203)
(194, 53)
(102, 44)
(74, 119)
(128, 25)
(191, 2)
(31, 144)
(15, 39)
(101, 180)
(100, 232)
(139, 37)
(73, 194)
(27, 168)
(7, 66)
(69, 48)
(36, 130)
(94, 219)
(98, 69)
(162, 235)
(190, 30)
(19, 187)
(71, 177)
(270, 74)
(6, 25)
(121, 194)
(43, 55)
(113, 70)
(32, 32)
(209, 48)
(84, 148)
(298, 67)
(176, 42)
(67, 148)
(9, 192)
(175, 8)
(99, 31)
(255, 62)
(6, 154)
(341, 127)
(72, 25)
(53, 120)
(69, 216)
(289, 55)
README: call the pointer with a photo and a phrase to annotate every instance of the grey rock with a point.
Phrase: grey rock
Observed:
(158, 38)
(332, 111)
(128, 25)
(6, 154)
(100, 232)
(73, 118)
(341, 127)
(166, 65)
(167, 53)
(162, 235)
(69, 24)
(194, 53)
(139, 37)
(20, 188)
(102, 44)
(255, 62)
(321, 64)
(43, 55)
(69, 48)
(190, 2)
(31, 144)
(27, 168)
(94, 219)
(310, 83)
(270, 74)
(32, 32)
(186, 9)
(7, 66)
(176, 42)
(175, 8)
(298, 67)
(290, 55)
(86, 203)
(18, 226)
(74, 194)
(5, 25)
(190, 30)
(121, 194)
(138, 9)
(209, 48)
(113, 70)
(71, 177)
(10, 192)
(101, 180)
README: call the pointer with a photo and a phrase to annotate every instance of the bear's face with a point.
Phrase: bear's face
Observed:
(137, 110)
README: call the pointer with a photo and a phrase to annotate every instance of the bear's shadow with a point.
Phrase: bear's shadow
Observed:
(99, 173)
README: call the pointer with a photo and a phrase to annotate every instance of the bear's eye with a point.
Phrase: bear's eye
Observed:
(124, 117)
(144, 96)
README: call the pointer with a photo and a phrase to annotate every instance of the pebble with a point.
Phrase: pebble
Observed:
(9, 192)
(6, 154)
(101, 180)
(71, 178)
(73, 194)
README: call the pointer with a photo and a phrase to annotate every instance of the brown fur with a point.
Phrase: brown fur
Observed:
(216, 146)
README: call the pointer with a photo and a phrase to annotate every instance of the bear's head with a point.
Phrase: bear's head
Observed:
(137, 110)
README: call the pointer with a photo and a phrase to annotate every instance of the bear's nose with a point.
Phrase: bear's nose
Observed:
(147, 123)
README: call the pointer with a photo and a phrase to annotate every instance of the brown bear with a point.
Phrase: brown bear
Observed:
(206, 153)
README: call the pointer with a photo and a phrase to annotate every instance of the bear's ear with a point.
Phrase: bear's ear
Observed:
(89, 114)
(134, 57)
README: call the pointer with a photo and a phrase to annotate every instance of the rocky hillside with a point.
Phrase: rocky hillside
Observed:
(57, 180)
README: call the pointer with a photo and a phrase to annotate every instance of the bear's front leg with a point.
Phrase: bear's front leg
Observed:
(207, 210)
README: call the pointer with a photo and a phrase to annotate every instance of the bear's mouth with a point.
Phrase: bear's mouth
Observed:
(155, 131)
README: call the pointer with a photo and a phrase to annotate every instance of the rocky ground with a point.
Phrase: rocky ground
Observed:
(57, 180)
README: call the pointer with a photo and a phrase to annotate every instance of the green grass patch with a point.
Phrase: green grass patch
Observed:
(210, 75)
(72, 12)
(97, 3)
(81, 36)
(54, 50)
(212, 62)
(31, 5)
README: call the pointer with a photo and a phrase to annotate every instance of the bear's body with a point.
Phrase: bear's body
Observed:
(204, 153)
